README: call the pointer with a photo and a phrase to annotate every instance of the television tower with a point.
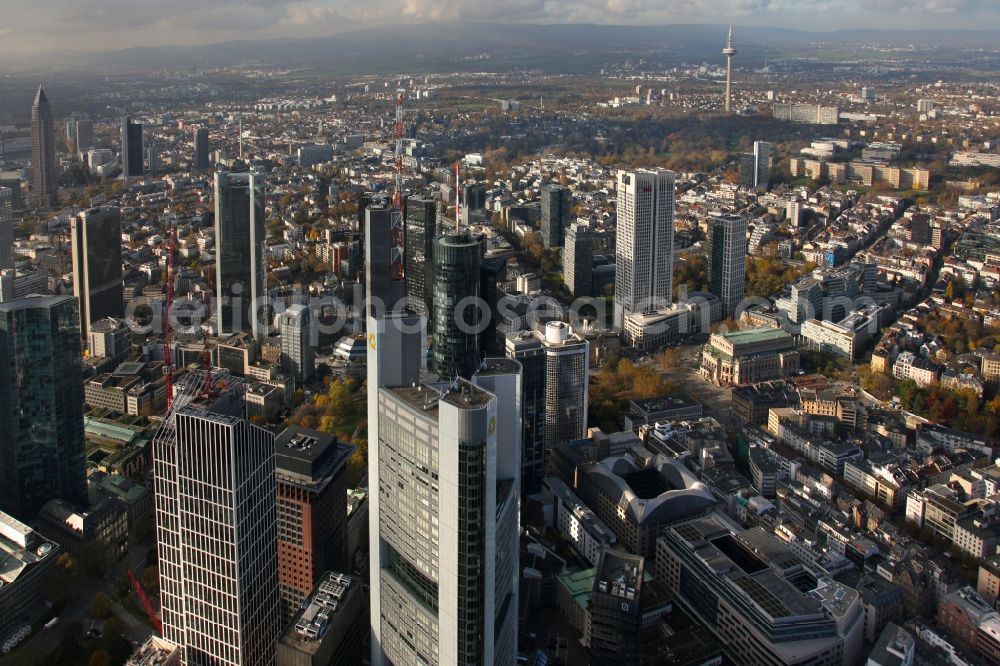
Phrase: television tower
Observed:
(729, 52)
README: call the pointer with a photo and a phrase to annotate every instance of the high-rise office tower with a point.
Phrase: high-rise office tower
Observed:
(444, 519)
(755, 167)
(457, 266)
(557, 211)
(312, 512)
(97, 265)
(644, 242)
(566, 386)
(490, 292)
(473, 199)
(555, 364)
(83, 135)
(200, 159)
(6, 228)
(239, 241)
(297, 357)
(578, 260)
(382, 290)
(727, 253)
(41, 404)
(217, 529)
(420, 232)
(729, 52)
(44, 188)
(132, 151)
(616, 609)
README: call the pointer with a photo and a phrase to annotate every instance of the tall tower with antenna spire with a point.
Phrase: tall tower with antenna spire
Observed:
(729, 52)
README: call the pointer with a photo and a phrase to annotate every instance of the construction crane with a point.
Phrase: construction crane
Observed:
(396, 223)
(145, 603)
(168, 354)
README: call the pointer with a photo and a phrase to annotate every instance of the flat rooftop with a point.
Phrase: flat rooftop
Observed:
(755, 336)
(619, 574)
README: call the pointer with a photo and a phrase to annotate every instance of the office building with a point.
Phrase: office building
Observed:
(383, 290)
(755, 167)
(444, 520)
(644, 242)
(41, 404)
(331, 628)
(239, 242)
(132, 150)
(312, 512)
(578, 260)
(217, 528)
(456, 317)
(420, 232)
(473, 201)
(200, 161)
(557, 211)
(29, 575)
(44, 186)
(727, 253)
(83, 135)
(297, 355)
(97, 265)
(616, 609)
(762, 602)
(526, 348)
(16, 197)
(6, 228)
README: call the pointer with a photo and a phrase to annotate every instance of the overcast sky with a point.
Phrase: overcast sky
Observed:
(65, 25)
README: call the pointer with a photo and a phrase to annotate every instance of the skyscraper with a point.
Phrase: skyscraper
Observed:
(444, 519)
(97, 265)
(41, 404)
(382, 290)
(457, 264)
(555, 365)
(420, 231)
(239, 239)
(297, 357)
(44, 188)
(200, 158)
(557, 211)
(217, 529)
(83, 135)
(132, 152)
(755, 167)
(644, 242)
(6, 228)
(312, 512)
(727, 253)
(578, 260)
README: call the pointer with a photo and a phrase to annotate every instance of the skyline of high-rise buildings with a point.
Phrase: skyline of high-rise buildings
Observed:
(44, 185)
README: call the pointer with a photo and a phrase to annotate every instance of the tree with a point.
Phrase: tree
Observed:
(100, 607)
(99, 658)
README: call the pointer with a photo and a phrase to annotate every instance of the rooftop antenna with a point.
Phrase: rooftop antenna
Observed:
(458, 201)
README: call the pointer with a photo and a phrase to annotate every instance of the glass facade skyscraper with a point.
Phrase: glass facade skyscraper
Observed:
(97, 265)
(421, 229)
(41, 404)
(132, 152)
(44, 188)
(239, 240)
(557, 211)
(727, 253)
(457, 266)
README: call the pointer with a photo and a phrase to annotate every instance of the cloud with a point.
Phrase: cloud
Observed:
(55, 25)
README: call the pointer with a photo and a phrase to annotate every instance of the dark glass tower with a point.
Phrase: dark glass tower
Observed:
(43, 153)
(131, 148)
(200, 161)
(97, 265)
(727, 253)
(557, 209)
(41, 404)
(421, 226)
(239, 238)
(457, 264)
